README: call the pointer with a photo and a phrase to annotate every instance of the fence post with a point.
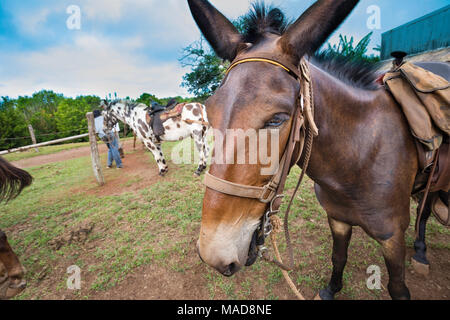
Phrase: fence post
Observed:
(96, 165)
(33, 137)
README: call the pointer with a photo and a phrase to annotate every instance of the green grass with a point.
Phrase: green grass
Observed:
(157, 227)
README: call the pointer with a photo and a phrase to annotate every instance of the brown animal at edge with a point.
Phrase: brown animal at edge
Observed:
(363, 162)
(12, 273)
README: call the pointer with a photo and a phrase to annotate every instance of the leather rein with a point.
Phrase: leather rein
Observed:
(303, 131)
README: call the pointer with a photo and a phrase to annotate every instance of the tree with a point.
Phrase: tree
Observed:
(71, 116)
(13, 126)
(207, 72)
(147, 98)
(51, 114)
(346, 49)
(39, 111)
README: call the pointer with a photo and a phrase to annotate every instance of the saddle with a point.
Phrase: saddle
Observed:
(423, 92)
(158, 114)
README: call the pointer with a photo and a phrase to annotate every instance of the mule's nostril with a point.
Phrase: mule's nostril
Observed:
(18, 284)
(231, 269)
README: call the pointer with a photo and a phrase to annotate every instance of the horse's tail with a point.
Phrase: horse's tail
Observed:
(12, 180)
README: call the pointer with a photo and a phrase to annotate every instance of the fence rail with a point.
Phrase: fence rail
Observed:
(43, 144)
(96, 165)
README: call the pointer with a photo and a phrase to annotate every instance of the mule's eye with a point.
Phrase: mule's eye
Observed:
(277, 120)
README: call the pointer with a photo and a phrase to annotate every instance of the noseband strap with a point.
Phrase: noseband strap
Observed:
(264, 194)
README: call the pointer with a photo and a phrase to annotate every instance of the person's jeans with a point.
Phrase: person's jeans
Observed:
(113, 153)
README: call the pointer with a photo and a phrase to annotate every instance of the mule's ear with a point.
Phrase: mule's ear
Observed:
(221, 34)
(105, 104)
(314, 26)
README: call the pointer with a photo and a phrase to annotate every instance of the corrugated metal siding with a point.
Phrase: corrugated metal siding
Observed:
(426, 33)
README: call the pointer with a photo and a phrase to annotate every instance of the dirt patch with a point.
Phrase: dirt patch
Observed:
(66, 155)
(155, 282)
(139, 171)
(77, 235)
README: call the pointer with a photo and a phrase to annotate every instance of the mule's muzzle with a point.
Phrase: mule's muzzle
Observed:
(225, 269)
(11, 288)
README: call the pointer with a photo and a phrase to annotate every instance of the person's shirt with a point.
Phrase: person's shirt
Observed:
(99, 127)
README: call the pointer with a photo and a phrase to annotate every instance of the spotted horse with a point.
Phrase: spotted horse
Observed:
(181, 122)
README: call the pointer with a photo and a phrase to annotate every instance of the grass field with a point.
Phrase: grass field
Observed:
(135, 238)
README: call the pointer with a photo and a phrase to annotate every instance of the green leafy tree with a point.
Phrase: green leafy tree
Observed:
(71, 116)
(346, 48)
(39, 111)
(207, 72)
(92, 101)
(207, 69)
(12, 124)
(147, 98)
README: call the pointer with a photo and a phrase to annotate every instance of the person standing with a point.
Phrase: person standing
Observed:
(110, 138)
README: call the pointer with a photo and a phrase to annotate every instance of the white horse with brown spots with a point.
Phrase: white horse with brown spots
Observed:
(185, 120)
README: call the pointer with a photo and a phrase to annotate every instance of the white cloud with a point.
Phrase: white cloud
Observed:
(105, 10)
(33, 22)
(92, 65)
(118, 9)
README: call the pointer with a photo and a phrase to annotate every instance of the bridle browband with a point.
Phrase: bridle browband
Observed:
(285, 65)
(303, 126)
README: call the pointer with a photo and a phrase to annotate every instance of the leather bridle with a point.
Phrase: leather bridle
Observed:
(303, 129)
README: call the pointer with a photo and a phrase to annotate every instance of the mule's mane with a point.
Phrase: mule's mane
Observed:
(261, 19)
(264, 18)
(356, 72)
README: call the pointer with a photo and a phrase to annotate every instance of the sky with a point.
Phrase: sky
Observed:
(134, 46)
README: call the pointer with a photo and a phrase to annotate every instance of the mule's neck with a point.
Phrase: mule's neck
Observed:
(351, 121)
(121, 110)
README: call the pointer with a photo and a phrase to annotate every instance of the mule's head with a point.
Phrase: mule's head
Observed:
(11, 284)
(252, 97)
(110, 119)
(12, 279)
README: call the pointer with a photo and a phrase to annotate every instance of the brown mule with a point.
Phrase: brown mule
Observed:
(12, 273)
(363, 162)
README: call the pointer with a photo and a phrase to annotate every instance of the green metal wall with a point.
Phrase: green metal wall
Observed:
(429, 32)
